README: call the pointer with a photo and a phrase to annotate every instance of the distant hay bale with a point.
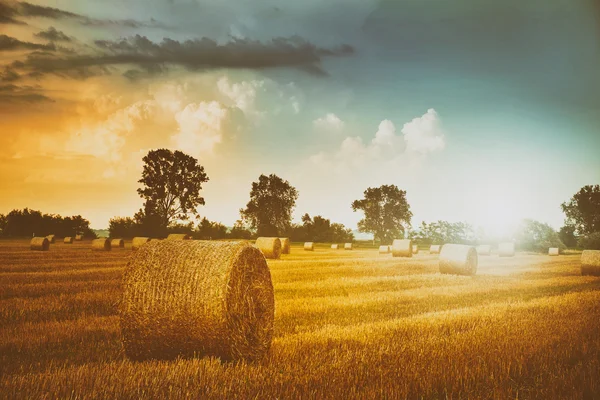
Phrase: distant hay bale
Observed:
(553, 251)
(384, 249)
(309, 246)
(285, 245)
(51, 238)
(484, 250)
(402, 248)
(78, 238)
(178, 236)
(335, 246)
(348, 246)
(435, 249)
(197, 298)
(415, 249)
(506, 249)
(117, 243)
(139, 242)
(269, 246)
(68, 240)
(102, 244)
(40, 244)
(458, 259)
(590, 262)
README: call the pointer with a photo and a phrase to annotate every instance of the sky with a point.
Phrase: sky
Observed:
(483, 111)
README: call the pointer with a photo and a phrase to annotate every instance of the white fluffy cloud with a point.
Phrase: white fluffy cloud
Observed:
(330, 122)
(200, 127)
(424, 134)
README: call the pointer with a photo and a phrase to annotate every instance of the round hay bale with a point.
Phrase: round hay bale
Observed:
(506, 249)
(348, 246)
(458, 259)
(178, 236)
(415, 249)
(51, 238)
(402, 248)
(384, 249)
(484, 250)
(78, 238)
(68, 240)
(309, 246)
(435, 249)
(285, 245)
(269, 246)
(39, 244)
(204, 298)
(590, 262)
(553, 251)
(139, 242)
(335, 246)
(117, 243)
(102, 244)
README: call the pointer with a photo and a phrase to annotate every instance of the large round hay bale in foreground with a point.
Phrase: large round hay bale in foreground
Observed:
(139, 242)
(309, 246)
(178, 236)
(285, 245)
(458, 259)
(270, 247)
(203, 298)
(402, 248)
(348, 246)
(68, 240)
(51, 238)
(335, 246)
(590, 262)
(506, 249)
(117, 243)
(484, 250)
(78, 238)
(39, 244)
(384, 249)
(102, 244)
(553, 251)
(415, 249)
(435, 249)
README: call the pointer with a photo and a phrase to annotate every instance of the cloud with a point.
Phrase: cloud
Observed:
(9, 75)
(53, 35)
(8, 43)
(200, 127)
(424, 134)
(11, 93)
(330, 122)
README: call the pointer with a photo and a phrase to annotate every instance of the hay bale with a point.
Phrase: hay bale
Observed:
(590, 262)
(39, 244)
(68, 240)
(402, 248)
(506, 249)
(204, 298)
(117, 243)
(102, 244)
(335, 246)
(269, 246)
(285, 245)
(553, 251)
(458, 259)
(484, 250)
(348, 246)
(78, 238)
(139, 242)
(178, 236)
(435, 249)
(309, 246)
(415, 249)
(384, 249)
(51, 238)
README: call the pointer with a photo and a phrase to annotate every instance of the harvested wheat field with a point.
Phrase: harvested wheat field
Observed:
(347, 325)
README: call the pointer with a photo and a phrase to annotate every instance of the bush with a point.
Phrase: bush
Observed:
(590, 242)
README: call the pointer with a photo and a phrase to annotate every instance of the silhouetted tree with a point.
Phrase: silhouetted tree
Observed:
(583, 210)
(240, 231)
(26, 222)
(211, 230)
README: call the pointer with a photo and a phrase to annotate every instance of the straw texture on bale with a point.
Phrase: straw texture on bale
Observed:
(484, 250)
(553, 251)
(402, 248)
(309, 246)
(270, 247)
(178, 236)
(384, 249)
(197, 298)
(78, 238)
(68, 240)
(348, 246)
(51, 238)
(435, 249)
(117, 243)
(506, 249)
(102, 244)
(458, 259)
(335, 246)
(139, 242)
(415, 249)
(40, 244)
(590, 262)
(285, 245)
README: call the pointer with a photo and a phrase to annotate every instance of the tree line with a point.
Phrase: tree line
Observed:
(27, 223)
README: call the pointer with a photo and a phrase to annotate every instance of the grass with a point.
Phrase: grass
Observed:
(349, 324)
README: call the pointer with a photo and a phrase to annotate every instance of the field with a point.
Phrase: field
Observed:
(349, 324)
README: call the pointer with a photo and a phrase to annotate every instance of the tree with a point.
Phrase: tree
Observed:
(240, 231)
(172, 182)
(567, 235)
(269, 210)
(583, 210)
(590, 242)
(211, 230)
(387, 213)
(123, 228)
(536, 236)
(442, 232)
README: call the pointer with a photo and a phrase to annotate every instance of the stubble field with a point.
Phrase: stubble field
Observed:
(348, 324)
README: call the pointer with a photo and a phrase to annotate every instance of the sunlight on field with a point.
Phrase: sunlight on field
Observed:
(348, 324)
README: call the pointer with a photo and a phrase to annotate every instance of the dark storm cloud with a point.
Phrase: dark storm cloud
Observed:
(21, 94)
(9, 75)
(53, 35)
(10, 43)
